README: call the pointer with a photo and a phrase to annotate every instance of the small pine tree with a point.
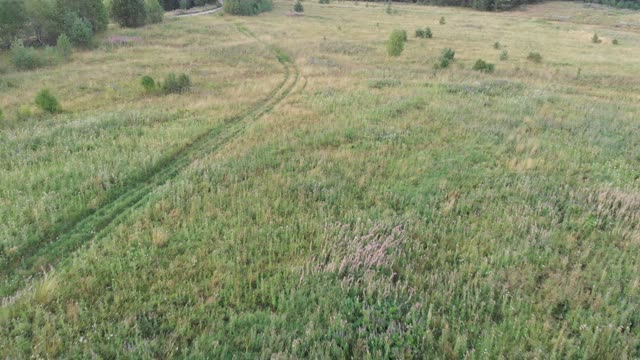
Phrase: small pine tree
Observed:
(427, 33)
(47, 102)
(615, 42)
(596, 39)
(504, 55)
(297, 7)
(155, 12)
(497, 45)
(129, 13)
(64, 47)
(395, 44)
(534, 57)
(78, 29)
(442, 20)
(148, 83)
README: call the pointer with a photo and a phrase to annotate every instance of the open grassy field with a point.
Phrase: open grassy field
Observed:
(312, 197)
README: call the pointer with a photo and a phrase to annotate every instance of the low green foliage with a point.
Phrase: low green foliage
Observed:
(446, 58)
(504, 55)
(47, 102)
(395, 43)
(596, 39)
(297, 7)
(323, 1)
(534, 57)
(615, 42)
(383, 83)
(174, 84)
(78, 29)
(64, 47)
(27, 58)
(424, 33)
(155, 12)
(442, 20)
(247, 7)
(483, 66)
(497, 45)
(148, 83)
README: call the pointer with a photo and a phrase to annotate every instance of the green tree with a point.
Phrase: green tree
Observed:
(12, 19)
(129, 13)
(155, 12)
(93, 11)
(395, 44)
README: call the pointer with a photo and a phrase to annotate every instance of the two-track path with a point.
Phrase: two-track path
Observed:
(56, 249)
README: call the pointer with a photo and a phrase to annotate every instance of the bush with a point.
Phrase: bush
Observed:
(64, 47)
(395, 44)
(155, 12)
(78, 29)
(176, 84)
(442, 20)
(497, 45)
(1, 115)
(615, 42)
(297, 7)
(424, 33)
(24, 112)
(129, 13)
(247, 7)
(534, 57)
(12, 19)
(504, 55)
(24, 58)
(484, 66)
(446, 58)
(92, 11)
(47, 102)
(323, 1)
(595, 39)
(148, 83)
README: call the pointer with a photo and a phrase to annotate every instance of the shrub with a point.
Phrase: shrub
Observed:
(323, 1)
(484, 66)
(504, 55)
(534, 57)
(427, 33)
(78, 29)
(12, 19)
(129, 13)
(148, 83)
(64, 47)
(25, 58)
(92, 11)
(1, 115)
(615, 42)
(442, 20)
(383, 83)
(155, 12)
(595, 39)
(446, 58)
(247, 7)
(395, 44)
(174, 84)
(24, 112)
(297, 7)
(419, 33)
(497, 45)
(47, 102)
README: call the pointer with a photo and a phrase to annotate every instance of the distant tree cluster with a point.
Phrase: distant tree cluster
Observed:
(247, 7)
(41, 22)
(501, 5)
(184, 4)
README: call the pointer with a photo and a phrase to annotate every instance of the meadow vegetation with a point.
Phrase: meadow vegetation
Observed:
(359, 205)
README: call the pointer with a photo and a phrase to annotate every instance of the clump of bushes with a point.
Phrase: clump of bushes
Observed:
(596, 39)
(395, 44)
(534, 57)
(297, 7)
(383, 83)
(129, 13)
(148, 83)
(484, 66)
(174, 84)
(47, 102)
(446, 58)
(424, 33)
(504, 55)
(26, 58)
(247, 7)
(323, 1)
(442, 20)
(615, 42)
(155, 12)
(64, 47)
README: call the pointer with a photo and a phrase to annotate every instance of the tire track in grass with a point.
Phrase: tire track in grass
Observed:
(34, 259)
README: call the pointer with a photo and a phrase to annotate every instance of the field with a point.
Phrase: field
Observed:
(313, 197)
